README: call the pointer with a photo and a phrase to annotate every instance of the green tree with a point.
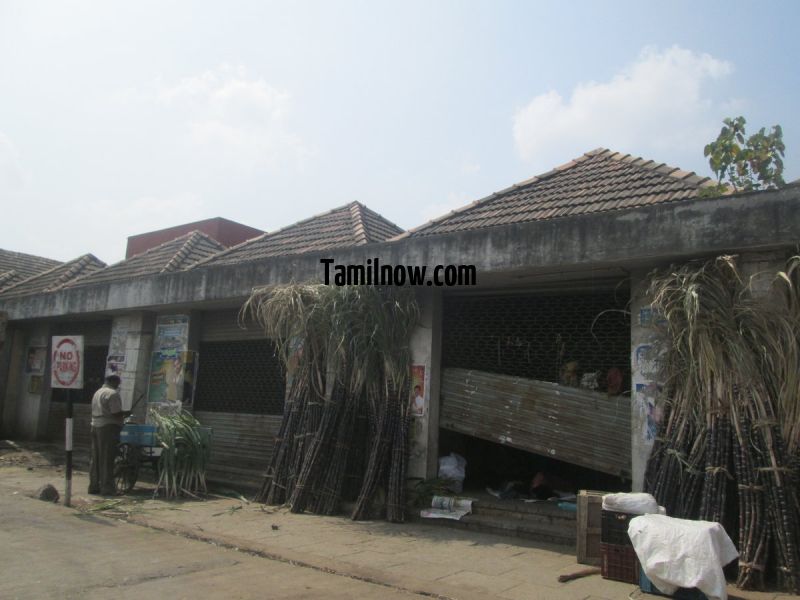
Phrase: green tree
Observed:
(746, 163)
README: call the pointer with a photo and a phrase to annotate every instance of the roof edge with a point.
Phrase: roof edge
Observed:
(76, 264)
(688, 176)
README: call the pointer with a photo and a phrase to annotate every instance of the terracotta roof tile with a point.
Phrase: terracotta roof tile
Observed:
(351, 225)
(175, 255)
(17, 266)
(599, 180)
(56, 277)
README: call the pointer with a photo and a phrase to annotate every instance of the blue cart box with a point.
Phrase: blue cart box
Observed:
(138, 435)
(680, 594)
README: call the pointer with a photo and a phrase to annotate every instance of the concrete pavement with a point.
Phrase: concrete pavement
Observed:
(49, 551)
(384, 558)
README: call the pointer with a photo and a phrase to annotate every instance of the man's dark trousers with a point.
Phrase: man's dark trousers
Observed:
(105, 444)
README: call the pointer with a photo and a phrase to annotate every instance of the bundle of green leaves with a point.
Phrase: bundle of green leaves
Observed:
(185, 452)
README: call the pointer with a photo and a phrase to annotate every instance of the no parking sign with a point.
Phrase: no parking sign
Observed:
(67, 362)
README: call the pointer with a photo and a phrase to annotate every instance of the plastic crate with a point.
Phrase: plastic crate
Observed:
(619, 563)
(680, 594)
(614, 527)
(138, 435)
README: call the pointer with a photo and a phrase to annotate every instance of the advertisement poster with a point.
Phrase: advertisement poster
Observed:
(115, 362)
(417, 400)
(167, 361)
(36, 359)
(646, 400)
(172, 333)
(35, 384)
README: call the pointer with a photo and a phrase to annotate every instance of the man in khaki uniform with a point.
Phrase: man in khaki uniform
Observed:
(107, 420)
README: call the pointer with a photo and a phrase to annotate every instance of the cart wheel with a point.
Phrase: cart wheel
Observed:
(126, 468)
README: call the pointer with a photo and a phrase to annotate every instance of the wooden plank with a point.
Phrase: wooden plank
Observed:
(590, 505)
(578, 426)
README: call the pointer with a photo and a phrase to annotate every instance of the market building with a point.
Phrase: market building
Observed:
(559, 306)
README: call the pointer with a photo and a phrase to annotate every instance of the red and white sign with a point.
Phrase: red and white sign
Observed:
(67, 362)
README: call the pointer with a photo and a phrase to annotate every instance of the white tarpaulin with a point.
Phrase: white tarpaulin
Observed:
(676, 553)
(634, 503)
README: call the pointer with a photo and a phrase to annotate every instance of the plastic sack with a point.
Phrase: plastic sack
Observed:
(634, 503)
(454, 468)
(676, 553)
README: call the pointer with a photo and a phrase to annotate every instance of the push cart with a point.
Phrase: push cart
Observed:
(137, 446)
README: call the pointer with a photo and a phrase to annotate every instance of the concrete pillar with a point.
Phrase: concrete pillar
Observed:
(27, 393)
(129, 357)
(426, 352)
(647, 347)
(758, 269)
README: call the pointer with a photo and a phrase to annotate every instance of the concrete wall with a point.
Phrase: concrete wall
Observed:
(6, 343)
(627, 238)
(25, 407)
(15, 356)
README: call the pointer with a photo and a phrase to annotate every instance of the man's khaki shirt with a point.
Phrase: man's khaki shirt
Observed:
(106, 407)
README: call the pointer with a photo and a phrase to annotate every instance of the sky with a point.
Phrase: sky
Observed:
(118, 118)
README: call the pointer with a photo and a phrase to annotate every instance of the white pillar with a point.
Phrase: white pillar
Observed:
(646, 350)
(425, 351)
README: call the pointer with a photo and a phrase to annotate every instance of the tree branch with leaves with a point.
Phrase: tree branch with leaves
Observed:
(745, 163)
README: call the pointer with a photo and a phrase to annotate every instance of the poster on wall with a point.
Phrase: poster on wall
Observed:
(172, 377)
(115, 362)
(35, 384)
(172, 332)
(647, 402)
(37, 356)
(167, 360)
(417, 400)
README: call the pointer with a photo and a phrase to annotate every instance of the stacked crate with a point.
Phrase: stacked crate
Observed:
(680, 594)
(589, 511)
(618, 558)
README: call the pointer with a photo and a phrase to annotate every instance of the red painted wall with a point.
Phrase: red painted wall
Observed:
(228, 233)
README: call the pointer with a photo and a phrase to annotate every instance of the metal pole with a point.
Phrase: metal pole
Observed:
(68, 447)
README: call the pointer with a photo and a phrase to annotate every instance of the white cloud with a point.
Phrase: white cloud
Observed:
(658, 106)
(235, 117)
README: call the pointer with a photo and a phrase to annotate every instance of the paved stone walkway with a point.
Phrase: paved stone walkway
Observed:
(49, 551)
(414, 558)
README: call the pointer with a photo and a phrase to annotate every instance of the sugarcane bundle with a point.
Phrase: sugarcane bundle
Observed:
(346, 350)
(185, 452)
(728, 441)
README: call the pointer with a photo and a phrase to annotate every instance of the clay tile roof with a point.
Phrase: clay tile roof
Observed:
(600, 180)
(56, 277)
(351, 225)
(175, 255)
(16, 267)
